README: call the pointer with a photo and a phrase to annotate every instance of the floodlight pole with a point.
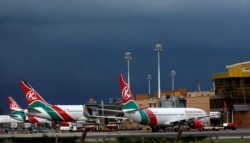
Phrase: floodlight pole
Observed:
(128, 57)
(158, 49)
(149, 77)
(173, 73)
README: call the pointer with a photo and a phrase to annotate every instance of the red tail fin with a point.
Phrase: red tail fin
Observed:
(126, 93)
(30, 93)
(12, 104)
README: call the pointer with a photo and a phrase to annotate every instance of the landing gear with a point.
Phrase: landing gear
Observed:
(185, 125)
(155, 128)
(176, 128)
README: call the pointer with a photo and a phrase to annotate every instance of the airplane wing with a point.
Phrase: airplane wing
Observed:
(198, 117)
(204, 116)
(87, 114)
(109, 117)
(185, 119)
(118, 111)
(133, 110)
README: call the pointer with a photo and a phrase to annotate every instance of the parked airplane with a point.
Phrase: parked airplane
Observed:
(8, 119)
(16, 112)
(38, 107)
(159, 118)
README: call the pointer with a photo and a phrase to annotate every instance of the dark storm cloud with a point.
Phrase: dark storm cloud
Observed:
(71, 51)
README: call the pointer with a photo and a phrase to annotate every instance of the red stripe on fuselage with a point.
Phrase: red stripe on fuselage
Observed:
(63, 114)
(152, 117)
(32, 119)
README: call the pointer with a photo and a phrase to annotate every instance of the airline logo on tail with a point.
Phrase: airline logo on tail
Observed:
(34, 100)
(128, 102)
(15, 110)
(30, 94)
(126, 94)
(13, 107)
(12, 104)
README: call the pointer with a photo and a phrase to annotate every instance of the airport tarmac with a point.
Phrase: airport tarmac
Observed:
(93, 135)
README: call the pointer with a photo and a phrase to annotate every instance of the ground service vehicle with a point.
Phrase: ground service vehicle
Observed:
(230, 125)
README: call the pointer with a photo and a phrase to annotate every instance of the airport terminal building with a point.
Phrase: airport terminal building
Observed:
(232, 92)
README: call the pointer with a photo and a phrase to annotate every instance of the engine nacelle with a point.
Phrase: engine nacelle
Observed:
(196, 124)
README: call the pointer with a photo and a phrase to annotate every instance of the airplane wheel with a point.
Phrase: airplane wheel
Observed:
(176, 129)
(153, 129)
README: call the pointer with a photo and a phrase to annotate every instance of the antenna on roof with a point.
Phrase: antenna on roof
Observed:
(198, 82)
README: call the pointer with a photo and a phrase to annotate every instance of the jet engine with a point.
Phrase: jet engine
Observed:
(196, 124)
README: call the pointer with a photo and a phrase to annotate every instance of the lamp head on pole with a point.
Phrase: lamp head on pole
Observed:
(172, 73)
(158, 48)
(128, 56)
(149, 77)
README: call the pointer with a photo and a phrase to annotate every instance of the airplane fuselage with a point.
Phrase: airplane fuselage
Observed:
(8, 119)
(164, 116)
(66, 113)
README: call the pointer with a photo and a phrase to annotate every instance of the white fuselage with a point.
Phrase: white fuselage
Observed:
(166, 116)
(8, 119)
(65, 113)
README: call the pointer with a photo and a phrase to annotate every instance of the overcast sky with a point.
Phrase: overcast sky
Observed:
(70, 51)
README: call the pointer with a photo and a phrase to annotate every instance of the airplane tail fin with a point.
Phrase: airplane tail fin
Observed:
(31, 94)
(13, 106)
(16, 111)
(128, 101)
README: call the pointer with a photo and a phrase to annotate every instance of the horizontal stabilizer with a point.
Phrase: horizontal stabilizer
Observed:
(13, 115)
(32, 110)
(134, 110)
(16, 109)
